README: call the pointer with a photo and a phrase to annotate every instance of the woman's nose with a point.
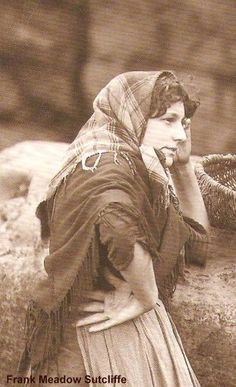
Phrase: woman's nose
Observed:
(179, 133)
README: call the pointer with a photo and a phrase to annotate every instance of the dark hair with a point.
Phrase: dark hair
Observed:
(168, 90)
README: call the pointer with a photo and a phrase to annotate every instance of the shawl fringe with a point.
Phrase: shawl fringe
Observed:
(44, 331)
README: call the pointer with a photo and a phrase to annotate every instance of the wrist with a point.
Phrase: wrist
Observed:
(150, 306)
(150, 302)
(182, 168)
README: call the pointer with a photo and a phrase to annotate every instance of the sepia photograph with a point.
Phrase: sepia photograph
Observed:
(117, 193)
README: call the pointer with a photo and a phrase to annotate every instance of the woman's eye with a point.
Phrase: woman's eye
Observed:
(169, 120)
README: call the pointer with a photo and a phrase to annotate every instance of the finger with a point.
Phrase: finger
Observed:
(91, 307)
(102, 326)
(97, 295)
(112, 279)
(94, 318)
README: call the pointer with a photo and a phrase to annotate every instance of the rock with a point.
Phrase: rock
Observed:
(39, 158)
(203, 309)
(203, 304)
(21, 249)
(13, 184)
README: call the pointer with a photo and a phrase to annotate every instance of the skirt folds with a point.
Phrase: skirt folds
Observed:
(147, 351)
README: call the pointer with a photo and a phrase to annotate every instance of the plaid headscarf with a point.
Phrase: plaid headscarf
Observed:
(121, 111)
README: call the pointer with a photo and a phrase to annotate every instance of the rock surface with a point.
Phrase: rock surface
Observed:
(204, 311)
(25, 171)
(203, 305)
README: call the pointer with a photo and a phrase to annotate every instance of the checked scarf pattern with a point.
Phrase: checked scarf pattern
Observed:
(121, 111)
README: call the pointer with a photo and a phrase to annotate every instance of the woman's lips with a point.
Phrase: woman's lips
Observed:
(172, 149)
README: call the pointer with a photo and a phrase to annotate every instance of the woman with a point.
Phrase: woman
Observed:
(118, 224)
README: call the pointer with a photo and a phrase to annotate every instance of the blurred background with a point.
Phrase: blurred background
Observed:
(55, 55)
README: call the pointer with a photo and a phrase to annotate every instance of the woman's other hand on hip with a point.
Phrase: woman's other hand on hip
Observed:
(110, 308)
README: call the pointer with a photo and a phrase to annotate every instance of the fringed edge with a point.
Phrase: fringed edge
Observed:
(168, 285)
(49, 327)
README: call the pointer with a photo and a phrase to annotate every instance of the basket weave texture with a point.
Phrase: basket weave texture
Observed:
(216, 176)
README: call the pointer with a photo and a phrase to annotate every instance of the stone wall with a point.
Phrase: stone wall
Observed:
(56, 55)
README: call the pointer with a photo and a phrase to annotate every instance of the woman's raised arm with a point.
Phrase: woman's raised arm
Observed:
(186, 185)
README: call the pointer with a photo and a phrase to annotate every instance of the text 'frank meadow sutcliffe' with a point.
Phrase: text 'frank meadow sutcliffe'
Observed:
(44, 379)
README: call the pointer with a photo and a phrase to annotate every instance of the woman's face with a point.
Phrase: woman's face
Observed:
(166, 132)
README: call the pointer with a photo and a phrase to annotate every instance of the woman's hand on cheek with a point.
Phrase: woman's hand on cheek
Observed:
(110, 308)
(183, 152)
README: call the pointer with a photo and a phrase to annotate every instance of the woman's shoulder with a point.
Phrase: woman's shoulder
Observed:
(120, 161)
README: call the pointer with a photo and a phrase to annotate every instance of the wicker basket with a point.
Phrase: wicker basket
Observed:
(216, 175)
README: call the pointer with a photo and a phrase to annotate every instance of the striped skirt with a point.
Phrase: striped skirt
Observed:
(146, 351)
